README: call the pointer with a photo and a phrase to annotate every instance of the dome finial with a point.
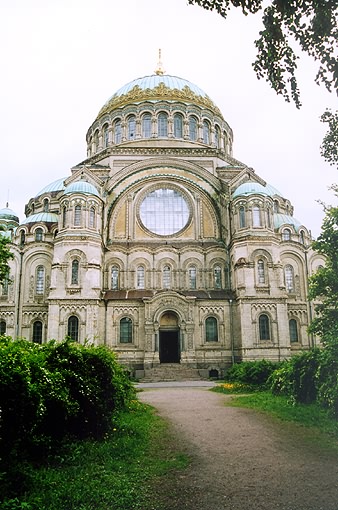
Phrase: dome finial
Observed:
(159, 69)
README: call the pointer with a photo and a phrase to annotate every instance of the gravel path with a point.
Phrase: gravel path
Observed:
(241, 460)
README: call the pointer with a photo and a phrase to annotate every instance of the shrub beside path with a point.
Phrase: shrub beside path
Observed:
(240, 459)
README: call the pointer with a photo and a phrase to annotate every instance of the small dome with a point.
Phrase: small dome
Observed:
(43, 217)
(9, 215)
(285, 219)
(53, 187)
(255, 188)
(83, 187)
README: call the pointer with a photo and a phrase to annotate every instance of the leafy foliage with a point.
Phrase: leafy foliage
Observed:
(329, 147)
(251, 372)
(5, 256)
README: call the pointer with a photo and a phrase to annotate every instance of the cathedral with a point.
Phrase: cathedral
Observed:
(161, 244)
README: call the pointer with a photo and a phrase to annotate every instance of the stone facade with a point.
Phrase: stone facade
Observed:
(161, 244)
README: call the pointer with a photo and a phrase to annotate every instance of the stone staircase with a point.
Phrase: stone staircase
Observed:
(171, 372)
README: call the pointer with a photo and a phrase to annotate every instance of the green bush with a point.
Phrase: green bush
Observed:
(251, 372)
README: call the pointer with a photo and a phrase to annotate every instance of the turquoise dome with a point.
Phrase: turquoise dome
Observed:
(8, 214)
(82, 187)
(284, 219)
(53, 187)
(255, 188)
(44, 217)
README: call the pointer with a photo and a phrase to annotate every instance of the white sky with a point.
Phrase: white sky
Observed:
(61, 60)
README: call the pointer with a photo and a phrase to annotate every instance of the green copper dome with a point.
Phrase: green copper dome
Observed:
(82, 187)
(285, 219)
(255, 188)
(53, 187)
(9, 215)
(43, 217)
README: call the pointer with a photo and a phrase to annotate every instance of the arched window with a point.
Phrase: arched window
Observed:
(92, 217)
(275, 206)
(2, 327)
(293, 329)
(178, 125)
(206, 132)
(301, 237)
(242, 222)
(117, 131)
(131, 127)
(256, 216)
(193, 128)
(126, 330)
(22, 237)
(146, 125)
(105, 134)
(264, 327)
(114, 278)
(162, 125)
(64, 217)
(192, 277)
(166, 277)
(46, 205)
(211, 330)
(5, 284)
(140, 277)
(40, 280)
(77, 216)
(37, 332)
(217, 277)
(268, 215)
(73, 328)
(261, 271)
(218, 137)
(75, 272)
(38, 234)
(289, 278)
(286, 234)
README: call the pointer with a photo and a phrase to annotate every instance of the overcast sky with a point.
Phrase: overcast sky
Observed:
(61, 60)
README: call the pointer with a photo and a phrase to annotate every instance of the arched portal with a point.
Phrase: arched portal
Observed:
(169, 345)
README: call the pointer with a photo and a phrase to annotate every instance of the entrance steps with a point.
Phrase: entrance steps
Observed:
(167, 372)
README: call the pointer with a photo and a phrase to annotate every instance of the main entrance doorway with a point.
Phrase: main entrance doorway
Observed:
(169, 339)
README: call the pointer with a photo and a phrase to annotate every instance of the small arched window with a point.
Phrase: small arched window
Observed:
(275, 206)
(301, 237)
(37, 332)
(64, 217)
(73, 328)
(117, 131)
(96, 140)
(289, 278)
(22, 237)
(264, 327)
(131, 127)
(293, 329)
(92, 217)
(178, 125)
(162, 125)
(166, 277)
(77, 216)
(206, 132)
(211, 330)
(75, 272)
(268, 215)
(146, 125)
(256, 216)
(114, 278)
(40, 280)
(193, 128)
(38, 234)
(242, 223)
(218, 137)
(2, 327)
(126, 330)
(286, 234)
(46, 205)
(192, 277)
(140, 277)
(105, 134)
(5, 284)
(217, 277)
(261, 271)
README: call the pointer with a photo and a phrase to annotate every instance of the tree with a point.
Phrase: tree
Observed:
(5, 256)
(312, 26)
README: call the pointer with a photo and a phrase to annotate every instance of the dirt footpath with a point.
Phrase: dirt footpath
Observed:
(241, 460)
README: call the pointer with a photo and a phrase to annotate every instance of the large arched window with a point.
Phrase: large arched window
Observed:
(105, 135)
(260, 271)
(256, 216)
(92, 217)
(286, 234)
(193, 128)
(38, 234)
(77, 216)
(178, 125)
(293, 329)
(192, 277)
(289, 278)
(217, 277)
(73, 328)
(264, 327)
(162, 125)
(140, 277)
(242, 223)
(75, 272)
(40, 280)
(37, 332)
(114, 278)
(211, 330)
(206, 132)
(126, 330)
(166, 277)
(131, 127)
(146, 125)
(2, 327)
(117, 131)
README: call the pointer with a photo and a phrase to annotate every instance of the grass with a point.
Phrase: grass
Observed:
(117, 473)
